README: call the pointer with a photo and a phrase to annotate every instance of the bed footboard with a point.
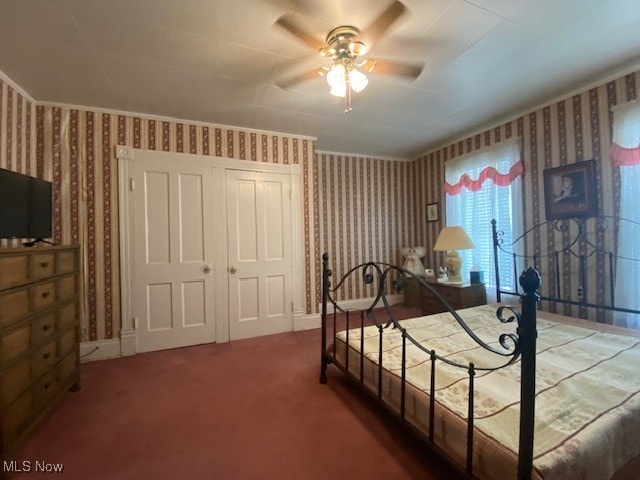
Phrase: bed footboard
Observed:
(512, 347)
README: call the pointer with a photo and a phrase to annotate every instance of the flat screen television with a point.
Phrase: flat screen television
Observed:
(25, 206)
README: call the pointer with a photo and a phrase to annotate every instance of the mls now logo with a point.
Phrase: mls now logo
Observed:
(28, 466)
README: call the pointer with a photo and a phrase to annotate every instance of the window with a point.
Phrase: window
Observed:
(480, 187)
(625, 153)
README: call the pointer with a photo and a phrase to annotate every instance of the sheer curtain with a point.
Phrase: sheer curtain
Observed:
(625, 152)
(479, 187)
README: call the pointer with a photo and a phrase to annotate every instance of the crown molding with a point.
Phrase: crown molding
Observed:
(359, 155)
(164, 118)
(17, 88)
(611, 76)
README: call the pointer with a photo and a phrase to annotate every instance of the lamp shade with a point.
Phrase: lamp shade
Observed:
(453, 238)
(358, 80)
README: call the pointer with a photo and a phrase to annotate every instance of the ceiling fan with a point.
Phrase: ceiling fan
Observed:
(345, 46)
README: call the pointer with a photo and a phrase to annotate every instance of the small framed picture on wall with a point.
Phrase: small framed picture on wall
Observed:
(432, 212)
(570, 191)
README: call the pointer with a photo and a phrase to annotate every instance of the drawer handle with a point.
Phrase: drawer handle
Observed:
(47, 355)
(44, 264)
(45, 294)
(46, 327)
(47, 385)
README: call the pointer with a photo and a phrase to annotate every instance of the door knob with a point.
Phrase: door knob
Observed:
(233, 270)
(207, 269)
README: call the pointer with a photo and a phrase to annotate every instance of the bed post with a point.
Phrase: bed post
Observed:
(494, 230)
(326, 273)
(530, 282)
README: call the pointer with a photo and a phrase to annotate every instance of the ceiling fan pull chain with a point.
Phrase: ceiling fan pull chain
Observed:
(347, 94)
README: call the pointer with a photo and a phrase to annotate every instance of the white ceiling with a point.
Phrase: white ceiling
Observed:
(218, 61)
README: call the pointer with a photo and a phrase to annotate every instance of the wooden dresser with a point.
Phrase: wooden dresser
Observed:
(39, 334)
(459, 296)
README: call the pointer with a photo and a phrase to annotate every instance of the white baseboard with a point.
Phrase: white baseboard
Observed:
(128, 341)
(99, 350)
(363, 303)
(307, 322)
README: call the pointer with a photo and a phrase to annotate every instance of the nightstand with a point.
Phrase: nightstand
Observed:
(462, 295)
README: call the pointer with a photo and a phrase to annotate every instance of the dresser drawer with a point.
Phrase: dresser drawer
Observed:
(451, 295)
(14, 270)
(67, 287)
(44, 358)
(15, 380)
(431, 305)
(69, 366)
(462, 296)
(68, 342)
(15, 343)
(14, 306)
(68, 315)
(43, 328)
(67, 262)
(44, 295)
(44, 265)
(44, 389)
(16, 417)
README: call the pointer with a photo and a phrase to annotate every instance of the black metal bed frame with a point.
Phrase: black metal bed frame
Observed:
(514, 346)
(578, 245)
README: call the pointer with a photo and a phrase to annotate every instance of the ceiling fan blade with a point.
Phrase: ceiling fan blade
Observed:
(286, 22)
(299, 79)
(381, 24)
(386, 67)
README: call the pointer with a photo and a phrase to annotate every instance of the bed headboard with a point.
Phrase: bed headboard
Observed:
(579, 258)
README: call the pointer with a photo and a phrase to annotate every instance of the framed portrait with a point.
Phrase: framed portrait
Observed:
(570, 190)
(432, 212)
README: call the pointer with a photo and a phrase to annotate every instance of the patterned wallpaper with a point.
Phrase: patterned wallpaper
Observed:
(364, 214)
(17, 134)
(75, 149)
(356, 208)
(78, 147)
(572, 130)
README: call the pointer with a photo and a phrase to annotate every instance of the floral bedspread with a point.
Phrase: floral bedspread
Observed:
(587, 391)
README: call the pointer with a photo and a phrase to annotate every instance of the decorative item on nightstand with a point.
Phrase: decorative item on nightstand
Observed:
(449, 240)
(476, 275)
(412, 263)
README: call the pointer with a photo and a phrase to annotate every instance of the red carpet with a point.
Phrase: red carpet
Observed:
(250, 409)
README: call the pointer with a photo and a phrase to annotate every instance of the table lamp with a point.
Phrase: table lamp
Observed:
(449, 240)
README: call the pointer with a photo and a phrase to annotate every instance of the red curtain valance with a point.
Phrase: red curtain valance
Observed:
(489, 173)
(625, 156)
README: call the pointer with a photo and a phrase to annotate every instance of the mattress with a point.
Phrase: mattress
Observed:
(587, 391)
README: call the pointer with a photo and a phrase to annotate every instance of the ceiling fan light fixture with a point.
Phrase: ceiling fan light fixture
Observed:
(336, 80)
(339, 90)
(348, 71)
(358, 80)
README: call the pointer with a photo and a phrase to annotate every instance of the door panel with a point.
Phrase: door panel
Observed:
(191, 218)
(193, 301)
(173, 232)
(274, 240)
(247, 221)
(159, 307)
(259, 247)
(156, 200)
(248, 299)
(275, 295)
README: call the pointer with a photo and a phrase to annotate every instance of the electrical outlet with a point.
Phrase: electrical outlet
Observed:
(580, 292)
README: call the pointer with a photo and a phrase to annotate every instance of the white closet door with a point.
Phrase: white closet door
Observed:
(259, 251)
(173, 290)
